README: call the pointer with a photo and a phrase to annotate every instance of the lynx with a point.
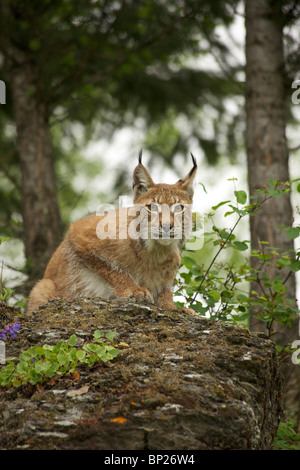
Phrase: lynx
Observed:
(128, 253)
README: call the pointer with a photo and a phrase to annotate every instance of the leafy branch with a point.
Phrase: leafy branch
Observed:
(216, 291)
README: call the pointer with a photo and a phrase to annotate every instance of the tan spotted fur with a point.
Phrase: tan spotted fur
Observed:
(120, 266)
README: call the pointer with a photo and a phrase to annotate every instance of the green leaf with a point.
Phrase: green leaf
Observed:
(198, 307)
(283, 262)
(292, 232)
(22, 368)
(72, 340)
(241, 212)
(188, 262)
(16, 383)
(204, 189)
(243, 316)
(242, 298)
(219, 205)
(112, 353)
(186, 277)
(24, 357)
(224, 235)
(110, 335)
(241, 196)
(228, 213)
(226, 295)
(295, 266)
(34, 377)
(90, 347)
(272, 182)
(274, 192)
(73, 354)
(280, 288)
(62, 359)
(241, 246)
(215, 295)
(81, 355)
(98, 334)
(40, 351)
(38, 366)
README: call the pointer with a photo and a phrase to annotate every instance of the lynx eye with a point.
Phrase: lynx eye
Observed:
(154, 208)
(178, 208)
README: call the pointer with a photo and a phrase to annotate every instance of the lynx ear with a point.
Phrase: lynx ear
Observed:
(186, 183)
(142, 181)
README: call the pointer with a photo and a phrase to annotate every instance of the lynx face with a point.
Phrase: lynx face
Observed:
(165, 210)
(166, 223)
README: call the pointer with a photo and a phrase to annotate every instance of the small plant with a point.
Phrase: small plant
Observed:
(5, 295)
(221, 291)
(40, 363)
(286, 437)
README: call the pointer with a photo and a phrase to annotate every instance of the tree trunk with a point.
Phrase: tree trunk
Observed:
(41, 218)
(267, 152)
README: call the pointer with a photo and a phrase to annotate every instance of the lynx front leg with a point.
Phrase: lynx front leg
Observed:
(121, 282)
(165, 299)
(125, 287)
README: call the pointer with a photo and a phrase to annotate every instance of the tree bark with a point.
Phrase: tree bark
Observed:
(267, 153)
(42, 223)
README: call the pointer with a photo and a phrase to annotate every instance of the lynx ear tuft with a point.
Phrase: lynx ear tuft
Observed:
(140, 156)
(186, 183)
(142, 181)
(194, 160)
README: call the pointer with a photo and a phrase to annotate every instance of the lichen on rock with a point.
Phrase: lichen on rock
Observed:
(180, 382)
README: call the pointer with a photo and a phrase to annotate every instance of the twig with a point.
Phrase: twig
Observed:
(215, 257)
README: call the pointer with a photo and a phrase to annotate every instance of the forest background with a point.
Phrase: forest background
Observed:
(89, 83)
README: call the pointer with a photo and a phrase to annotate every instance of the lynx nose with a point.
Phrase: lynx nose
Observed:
(166, 227)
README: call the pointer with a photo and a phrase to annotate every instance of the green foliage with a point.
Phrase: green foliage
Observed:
(40, 363)
(101, 66)
(286, 437)
(222, 290)
(5, 294)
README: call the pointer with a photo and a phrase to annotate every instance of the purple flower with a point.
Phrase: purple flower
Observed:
(3, 336)
(10, 329)
(14, 328)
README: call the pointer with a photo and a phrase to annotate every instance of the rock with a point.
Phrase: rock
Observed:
(183, 383)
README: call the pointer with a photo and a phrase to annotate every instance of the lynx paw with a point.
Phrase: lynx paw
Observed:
(141, 295)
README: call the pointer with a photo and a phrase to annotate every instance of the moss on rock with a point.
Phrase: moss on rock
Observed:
(182, 382)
